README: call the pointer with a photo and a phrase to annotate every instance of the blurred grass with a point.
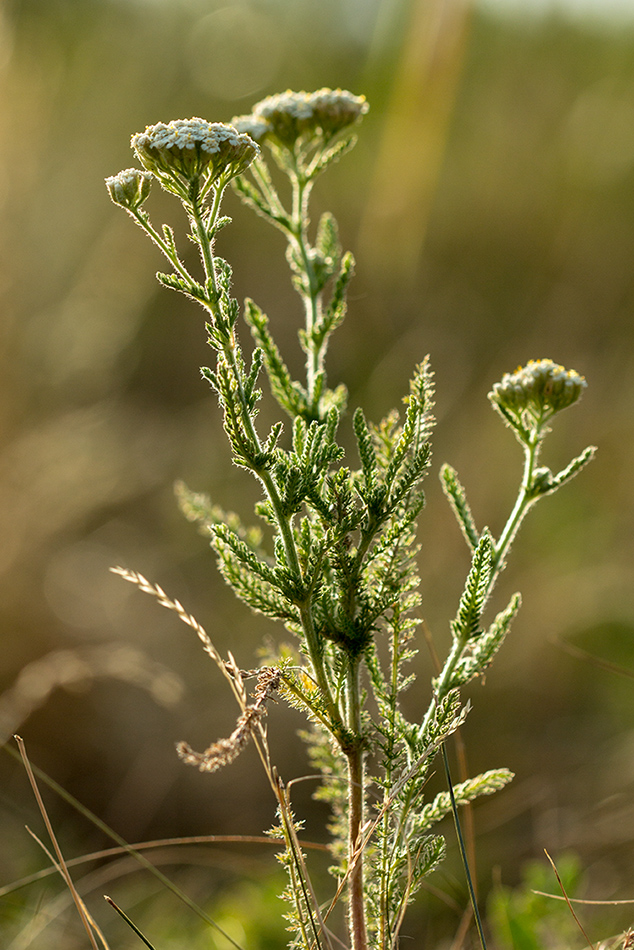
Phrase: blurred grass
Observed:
(490, 203)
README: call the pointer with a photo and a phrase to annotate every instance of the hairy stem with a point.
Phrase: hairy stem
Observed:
(525, 499)
(384, 924)
(200, 231)
(356, 794)
(312, 302)
(282, 520)
(143, 221)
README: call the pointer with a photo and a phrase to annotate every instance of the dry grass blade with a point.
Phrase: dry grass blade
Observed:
(567, 899)
(130, 923)
(81, 910)
(317, 922)
(136, 855)
(398, 923)
(133, 577)
(581, 900)
(56, 869)
(150, 845)
(595, 660)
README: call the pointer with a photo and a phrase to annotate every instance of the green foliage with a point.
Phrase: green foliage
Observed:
(290, 396)
(458, 501)
(338, 568)
(466, 624)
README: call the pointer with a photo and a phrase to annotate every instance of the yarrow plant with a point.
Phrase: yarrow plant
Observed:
(340, 571)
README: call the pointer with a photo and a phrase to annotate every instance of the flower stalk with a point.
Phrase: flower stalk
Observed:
(341, 574)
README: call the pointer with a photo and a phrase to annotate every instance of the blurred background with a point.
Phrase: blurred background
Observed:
(490, 206)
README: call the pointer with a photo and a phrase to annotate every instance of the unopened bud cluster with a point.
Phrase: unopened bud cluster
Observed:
(289, 117)
(537, 390)
(129, 188)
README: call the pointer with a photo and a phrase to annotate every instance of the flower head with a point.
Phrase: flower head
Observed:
(129, 188)
(286, 118)
(193, 151)
(536, 391)
(253, 126)
(337, 109)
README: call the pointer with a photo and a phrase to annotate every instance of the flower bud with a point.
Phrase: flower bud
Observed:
(193, 151)
(542, 481)
(129, 188)
(536, 391)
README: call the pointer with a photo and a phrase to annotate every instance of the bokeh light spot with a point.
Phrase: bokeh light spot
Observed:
(234, 52)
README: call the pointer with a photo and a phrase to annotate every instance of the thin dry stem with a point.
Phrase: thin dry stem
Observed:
(56, 869)
(148, 588)
(152, 845)
(285, 812)
(156, 591)
(570, 907)
(580, 900)
(81, 910)
(463, 928)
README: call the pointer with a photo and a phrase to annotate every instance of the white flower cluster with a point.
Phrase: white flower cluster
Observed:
(289, 116)
(186, 134)
(187, 150)
(542, 387)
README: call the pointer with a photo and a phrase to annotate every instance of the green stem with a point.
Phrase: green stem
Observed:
(212, 217)
(317, 660)
(524, 501)
(312, 301)
(294, 226)
(356, 794)
(265, 477)
(198, 225)
(384, 922)
(290, 549)
(444, 682)
(271, 198)
(142, 219)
